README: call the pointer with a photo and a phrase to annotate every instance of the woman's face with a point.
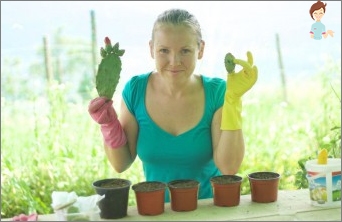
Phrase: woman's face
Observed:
(175, 50)
(318, 14)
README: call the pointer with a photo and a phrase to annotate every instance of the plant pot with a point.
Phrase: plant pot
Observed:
(115, 203)
(183, 194)
(264, 186)
(150, 197)
(226, 190)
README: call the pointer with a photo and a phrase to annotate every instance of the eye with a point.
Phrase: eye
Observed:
(163, 51)
(186, 51)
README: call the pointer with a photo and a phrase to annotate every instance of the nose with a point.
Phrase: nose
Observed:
(175, 59)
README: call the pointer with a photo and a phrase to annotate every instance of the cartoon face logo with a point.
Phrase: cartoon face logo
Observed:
(318, 14)
(318, 31)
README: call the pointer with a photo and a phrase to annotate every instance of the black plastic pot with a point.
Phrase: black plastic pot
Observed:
(116, 192)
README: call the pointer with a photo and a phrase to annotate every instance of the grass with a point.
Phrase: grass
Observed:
(49, 144)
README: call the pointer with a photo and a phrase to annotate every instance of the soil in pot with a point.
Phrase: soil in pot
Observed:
(264, 186)
(226, 190)
(183, 194)
(150, 197)
(116, 192)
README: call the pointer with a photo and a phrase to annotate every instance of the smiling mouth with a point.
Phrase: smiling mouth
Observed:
(174, 70)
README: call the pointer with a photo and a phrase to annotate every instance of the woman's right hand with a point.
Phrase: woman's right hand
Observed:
(102, 111)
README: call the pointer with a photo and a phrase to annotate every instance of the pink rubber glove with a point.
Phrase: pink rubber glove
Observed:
(102, 111)
(23, 217)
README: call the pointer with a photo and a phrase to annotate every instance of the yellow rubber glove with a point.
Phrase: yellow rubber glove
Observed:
(237, 85)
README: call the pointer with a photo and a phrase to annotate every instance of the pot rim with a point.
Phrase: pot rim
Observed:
(99, 182)
(275, 175)
(146, 182)
(239, 178)
(171, 183)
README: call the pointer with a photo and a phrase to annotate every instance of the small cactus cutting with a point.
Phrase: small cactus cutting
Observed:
(229, 62)
(108, 74)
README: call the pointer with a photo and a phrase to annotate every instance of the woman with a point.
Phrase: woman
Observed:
(171, 117)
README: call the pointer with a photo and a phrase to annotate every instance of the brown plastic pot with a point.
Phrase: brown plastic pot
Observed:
(150, 197)
(115, 203)
(183, 194)
(226, 190)
(264, 186)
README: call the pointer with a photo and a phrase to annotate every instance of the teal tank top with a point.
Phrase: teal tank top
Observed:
(166, 157)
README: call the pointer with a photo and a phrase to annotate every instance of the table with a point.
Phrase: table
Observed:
(292, 205)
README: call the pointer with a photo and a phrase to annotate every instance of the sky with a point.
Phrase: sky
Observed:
(227, 26)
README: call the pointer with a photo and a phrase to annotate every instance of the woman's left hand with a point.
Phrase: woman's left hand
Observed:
(239, 83)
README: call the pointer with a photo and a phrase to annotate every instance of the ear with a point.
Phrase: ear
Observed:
(201, 50)
(151, 48)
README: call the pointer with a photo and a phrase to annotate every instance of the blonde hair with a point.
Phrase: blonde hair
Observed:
(179, 17)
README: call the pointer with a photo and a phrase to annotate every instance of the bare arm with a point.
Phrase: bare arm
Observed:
(122, 158)
(228, 146)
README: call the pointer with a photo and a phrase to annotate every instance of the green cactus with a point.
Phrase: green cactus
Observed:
(73, 209)
(108, 74)
(73, 214)
(229, 62)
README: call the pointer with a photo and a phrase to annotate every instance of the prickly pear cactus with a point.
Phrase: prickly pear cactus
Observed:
(108, 74)
(229, 62)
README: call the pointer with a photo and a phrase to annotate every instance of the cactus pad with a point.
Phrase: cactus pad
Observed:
(108, 74)
(229, 62)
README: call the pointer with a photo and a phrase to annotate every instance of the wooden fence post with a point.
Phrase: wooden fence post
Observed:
(281, 68)
(47, 57)
(94, 50)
